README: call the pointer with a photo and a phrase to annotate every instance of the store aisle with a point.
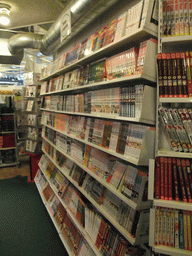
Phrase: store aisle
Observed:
(25, 226)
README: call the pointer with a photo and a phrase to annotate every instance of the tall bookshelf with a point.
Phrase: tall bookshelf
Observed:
(170, 235)
(8, 148)
(65, 143)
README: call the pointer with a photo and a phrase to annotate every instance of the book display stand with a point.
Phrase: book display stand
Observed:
(29, 114)
(170, 173)
(98, 117)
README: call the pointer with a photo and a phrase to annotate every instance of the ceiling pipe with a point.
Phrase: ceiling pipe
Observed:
(82, 15)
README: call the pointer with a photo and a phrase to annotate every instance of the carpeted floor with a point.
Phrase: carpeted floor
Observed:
(25, 226)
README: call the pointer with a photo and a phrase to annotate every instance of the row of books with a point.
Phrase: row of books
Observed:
(7, 140)
(120, 137)
(6, 123)
(127, 23)
(103, 235)
(177, 17)
(173, 228)
(68, 229)
(126, 101)
(174, 74)
(173, 179)
(177, 127)
(128, 180)
(7, 156)
(127, 217)
(129, 62)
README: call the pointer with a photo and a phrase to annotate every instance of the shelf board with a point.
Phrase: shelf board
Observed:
(175, 100)
(7, 132)
(129, 159)
(7, 114)
(167, 153)
(132, 204)
(10, 164)
(173, 204)
(177, 39)
(7, 148)
(113, 117)
(171, 251)
(104, 84)
(136, 36)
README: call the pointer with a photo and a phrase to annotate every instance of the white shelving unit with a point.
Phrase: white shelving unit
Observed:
(147, 147)
(167, 44)
(148, 77)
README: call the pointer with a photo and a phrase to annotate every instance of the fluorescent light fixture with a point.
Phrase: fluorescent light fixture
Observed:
(77, 5)
(4, 14)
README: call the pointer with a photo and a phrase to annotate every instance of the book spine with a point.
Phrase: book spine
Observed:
(184, 75)
(185, 230)
(157, 223)
(181, 180)
(169, 75)
(181, 230)
(179, 75)
(160, 74)
(186, 180)
(189, 85)
(170, 179)
(172, 240)
(176, 228)
(162, 167)
(157, 178)
(174, 74)
(165, 80)
(166, 194)
(175, 179)
(189, 230)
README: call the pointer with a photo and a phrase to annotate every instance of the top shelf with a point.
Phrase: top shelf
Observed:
(140, 35)
(177, 39)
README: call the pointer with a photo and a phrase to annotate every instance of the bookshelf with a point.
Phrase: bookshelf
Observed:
(8, 144)
(176, 159)
(59, 140)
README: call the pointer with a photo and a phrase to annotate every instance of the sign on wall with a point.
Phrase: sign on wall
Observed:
(65, 25)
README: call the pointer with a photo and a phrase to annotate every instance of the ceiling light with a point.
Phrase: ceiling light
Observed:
(4, 14)
(77, 5)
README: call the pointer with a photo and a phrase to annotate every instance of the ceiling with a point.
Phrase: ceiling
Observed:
(30, 16)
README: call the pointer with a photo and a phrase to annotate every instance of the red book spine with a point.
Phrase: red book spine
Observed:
(179, 75)
(162, 178)
(157, 178)
(169, 75)
(184, 75)
(186, 180)
(181, 179)
(166, 178)
(170, 180)
(174, 73)
(160, 74)
(175, 180)
(165, 81)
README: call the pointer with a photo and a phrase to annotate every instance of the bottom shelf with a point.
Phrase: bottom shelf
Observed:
(171, 251)
(54, 222)
(9, 164)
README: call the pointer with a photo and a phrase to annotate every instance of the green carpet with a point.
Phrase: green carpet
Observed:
(25, 226)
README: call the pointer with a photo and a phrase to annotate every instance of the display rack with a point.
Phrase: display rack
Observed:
(146, 77)
(170, 44)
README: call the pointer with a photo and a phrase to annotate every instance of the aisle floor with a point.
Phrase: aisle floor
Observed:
(25, 226)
